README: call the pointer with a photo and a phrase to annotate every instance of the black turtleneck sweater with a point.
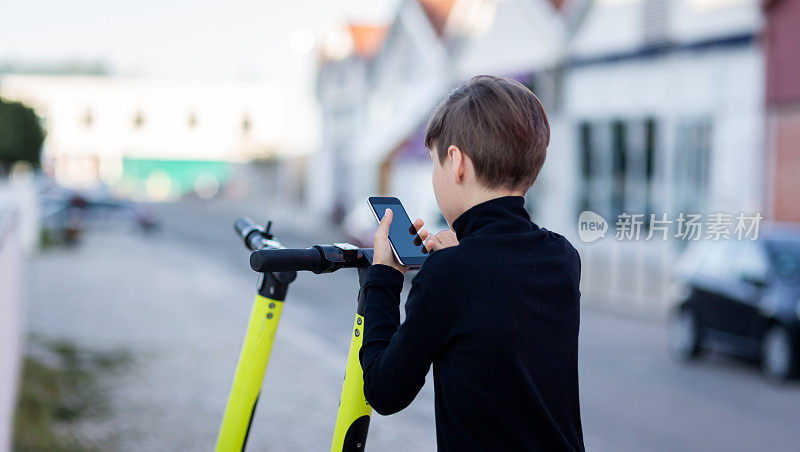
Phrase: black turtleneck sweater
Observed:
(497, 316)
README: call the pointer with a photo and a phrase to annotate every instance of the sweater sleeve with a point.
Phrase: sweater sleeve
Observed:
(396, 357)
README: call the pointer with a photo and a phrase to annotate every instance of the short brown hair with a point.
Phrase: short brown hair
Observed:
(499, 123)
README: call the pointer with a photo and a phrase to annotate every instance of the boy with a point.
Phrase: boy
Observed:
(495, 307)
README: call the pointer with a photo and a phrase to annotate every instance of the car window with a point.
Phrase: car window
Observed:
(752, 263)
(720, 260)
(691, 260)
(786, 256)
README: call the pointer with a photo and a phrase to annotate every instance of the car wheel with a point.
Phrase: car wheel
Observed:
(778, 354)
(684, 334)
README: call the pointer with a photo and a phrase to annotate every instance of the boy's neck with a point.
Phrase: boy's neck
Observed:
(480, 195)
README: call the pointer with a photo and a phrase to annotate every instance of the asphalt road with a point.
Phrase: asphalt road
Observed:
(184, 299)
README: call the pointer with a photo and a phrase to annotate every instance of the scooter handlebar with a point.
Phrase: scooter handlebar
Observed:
(254, 236)
(244, 226)
(288, 259)
(270, 256)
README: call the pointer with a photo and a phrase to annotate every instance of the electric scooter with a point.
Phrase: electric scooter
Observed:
(278, 266)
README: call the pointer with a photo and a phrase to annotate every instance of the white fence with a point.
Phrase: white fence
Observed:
(634, 276)
(11, 334)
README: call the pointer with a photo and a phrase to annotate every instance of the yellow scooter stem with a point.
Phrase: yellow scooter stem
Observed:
(249, 374)
(352, 419)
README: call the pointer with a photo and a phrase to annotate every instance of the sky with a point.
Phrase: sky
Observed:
(179, 38)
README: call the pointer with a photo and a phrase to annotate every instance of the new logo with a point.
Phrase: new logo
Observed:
(591, 226)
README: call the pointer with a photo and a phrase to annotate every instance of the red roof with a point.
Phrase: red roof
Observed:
(437, 12)
(367, 39)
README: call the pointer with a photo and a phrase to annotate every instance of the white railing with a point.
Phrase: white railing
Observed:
(11, 330)
(633, 276)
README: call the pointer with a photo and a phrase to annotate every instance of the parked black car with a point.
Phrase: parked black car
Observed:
(66, 213)
(741, 297)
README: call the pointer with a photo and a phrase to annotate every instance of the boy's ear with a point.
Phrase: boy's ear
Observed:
(459, 163)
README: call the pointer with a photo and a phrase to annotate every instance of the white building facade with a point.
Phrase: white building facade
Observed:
(663, 102)
(152, 138)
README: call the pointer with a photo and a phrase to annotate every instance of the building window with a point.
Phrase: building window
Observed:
(619, 166)
(692, 160)
(649, 164)
(138, 120)
(585, 138)
(655, 21)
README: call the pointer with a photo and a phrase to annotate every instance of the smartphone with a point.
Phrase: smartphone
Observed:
(401, 231)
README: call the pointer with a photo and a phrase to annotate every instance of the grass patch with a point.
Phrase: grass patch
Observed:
(59, 388)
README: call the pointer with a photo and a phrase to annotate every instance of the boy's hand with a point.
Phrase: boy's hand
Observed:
(433, 242)
(383, 248)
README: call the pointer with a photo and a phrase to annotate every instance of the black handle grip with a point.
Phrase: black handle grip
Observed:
(290, 259)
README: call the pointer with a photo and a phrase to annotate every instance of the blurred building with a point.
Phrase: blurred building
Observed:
(656, 106)
(153, 139)
(341, 89)
(391, 91)
(782, 44)
(663, 102)
(407, 79)
(430, 45)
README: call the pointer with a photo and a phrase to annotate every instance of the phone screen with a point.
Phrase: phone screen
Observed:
(401, 232)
